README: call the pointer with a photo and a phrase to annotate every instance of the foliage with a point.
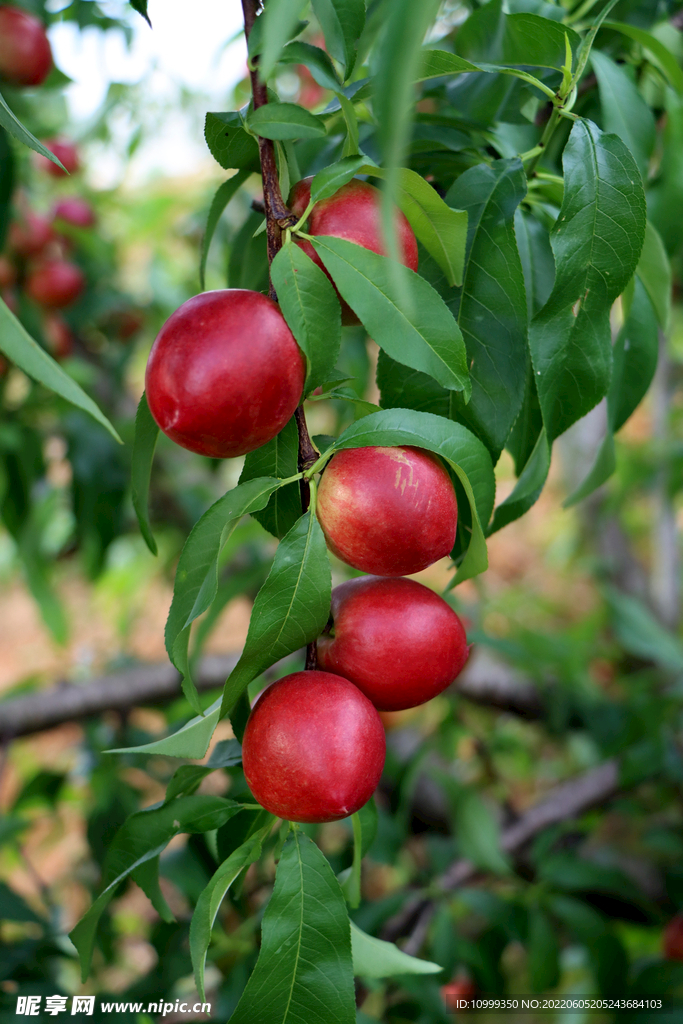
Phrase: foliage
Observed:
(533, 150)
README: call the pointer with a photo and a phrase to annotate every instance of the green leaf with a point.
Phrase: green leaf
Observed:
(604, 465)
(37, 573)
(144, 443)
(20, 348)
(342, 22)
(403, 388)
(528, 487)
(397, 64)
(278, 457)
(304, 971)
(229, 143)
(639, 632)
(13, 907)
(278, 21)
(317, 62)
(352, 140)
(666, 192)
(436, 63)
(656, 49)
(196, 579)
(186, 779)
(581, 920)
(635, 361)
(369, 821)
(191, 741)
(491, 307)
(364, 831)
(146, 875)
(544, 952)
(413, 326)
(141, 838)
(526, 39)
(363, 408)
(209, 903)
(332, 178)
(286, 121)
(11, 827)
(440, 229)
(7, 178)
(311, 309)
(290, 609)
(597, 241)
(453, 442)
(624, 111)
(478, 834)
(141, 7)
(635, 358)
(14, 126)
(221, 199)
(375, 958)
(654, 270)
(537, 260)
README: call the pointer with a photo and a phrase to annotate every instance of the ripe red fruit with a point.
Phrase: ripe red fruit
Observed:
(673, 938)
(314, 748)
(76, 211)
(460, 988)
(8, 272)
(64, 151)
(55, 283)
(399, 642)
(127, 323)
(58, 336)
(25, 54)
(29, 235)
(388, 511)
(225, 373)
(310, 93)
(353, 213)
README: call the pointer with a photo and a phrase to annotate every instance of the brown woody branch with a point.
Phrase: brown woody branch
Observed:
(69, 702)
(564, 802)
(278, 217)
(484, 682)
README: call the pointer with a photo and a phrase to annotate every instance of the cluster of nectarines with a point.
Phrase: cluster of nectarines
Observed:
(224, 376)
(36, 252)
(36, 261)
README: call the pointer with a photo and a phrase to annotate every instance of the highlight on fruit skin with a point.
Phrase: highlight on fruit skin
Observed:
(25, 52)
(395, 639)
(387, 511)
(225, 374)
(314, 748)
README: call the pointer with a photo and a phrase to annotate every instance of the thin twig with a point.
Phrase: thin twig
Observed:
(564, 802)
(277, 214)
(277, 218)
